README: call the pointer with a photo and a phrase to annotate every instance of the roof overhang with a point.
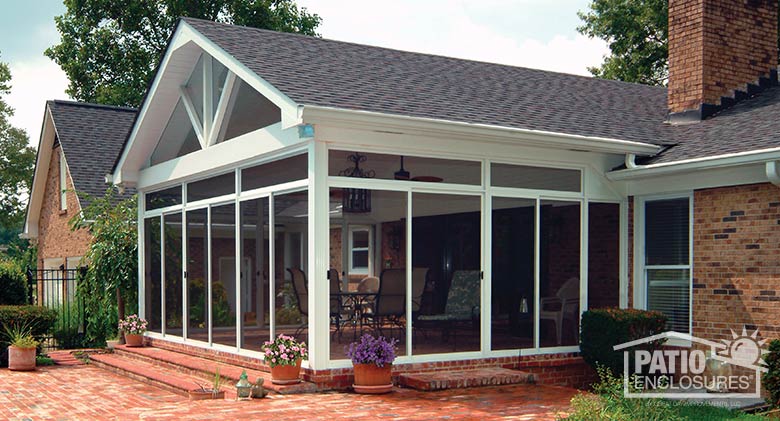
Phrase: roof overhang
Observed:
(42, 160)
(183, 50)
(452, 129)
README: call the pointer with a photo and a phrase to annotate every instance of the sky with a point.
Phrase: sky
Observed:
(539, 34)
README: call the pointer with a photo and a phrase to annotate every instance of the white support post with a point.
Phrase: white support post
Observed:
(624, 254)
(193, 115)
(487, 279)
(163, 316)
(185, 307)
(537, 294)
(141, 258)
(208, 92)
(272, 268)
(583, 257)
(222, 108)
(240, 276)
(209, 317)
(409, 272)
(319, 257)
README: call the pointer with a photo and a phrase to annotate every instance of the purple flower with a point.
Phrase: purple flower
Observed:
(370, 350)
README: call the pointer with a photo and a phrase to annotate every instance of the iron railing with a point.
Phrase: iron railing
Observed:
(56, 289)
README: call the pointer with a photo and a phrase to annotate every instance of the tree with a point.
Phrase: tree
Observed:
(17, 163)
(111, 279)
(637, 32)
(110, 49)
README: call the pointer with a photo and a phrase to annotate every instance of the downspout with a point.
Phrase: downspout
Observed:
(630, 161)
(773, 172)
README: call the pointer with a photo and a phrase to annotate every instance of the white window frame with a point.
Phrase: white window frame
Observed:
(359, 270)
(63, 182)
(640, 268)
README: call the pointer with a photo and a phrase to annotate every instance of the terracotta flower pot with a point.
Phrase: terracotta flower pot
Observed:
(372, 379)
(371, 375)
(21, 359)
(199, 395)
(286, 374)
(134, 340)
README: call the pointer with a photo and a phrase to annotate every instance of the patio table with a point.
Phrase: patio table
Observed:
(357, 303)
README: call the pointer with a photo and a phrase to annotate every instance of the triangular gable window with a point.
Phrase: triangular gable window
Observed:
(234, 109)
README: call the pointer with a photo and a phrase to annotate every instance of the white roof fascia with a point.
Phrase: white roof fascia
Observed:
(183, 34)
(695, 164)
(445, 128)
(37, 191)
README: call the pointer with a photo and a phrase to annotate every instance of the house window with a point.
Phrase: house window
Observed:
(63, 182)
(667, 263)
(359, 249)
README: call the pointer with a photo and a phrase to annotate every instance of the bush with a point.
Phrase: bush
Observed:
(40, 319)
(13, 283)
(602, 329)
(771, 379)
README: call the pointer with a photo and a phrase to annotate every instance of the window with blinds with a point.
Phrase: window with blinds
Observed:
(667, 260)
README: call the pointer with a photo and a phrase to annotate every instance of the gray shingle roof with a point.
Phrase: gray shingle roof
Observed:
(315, 71)
(91, 137)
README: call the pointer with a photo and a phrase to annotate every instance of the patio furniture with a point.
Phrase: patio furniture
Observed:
(462, 302)
(336, 308)
(368, 285)
(390, 306)
(301, 290)
(565, 303)
(419, 279)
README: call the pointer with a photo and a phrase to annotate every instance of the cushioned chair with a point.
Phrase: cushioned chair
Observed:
(564, 305)
(462, 301)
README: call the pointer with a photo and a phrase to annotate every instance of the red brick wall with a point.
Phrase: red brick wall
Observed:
(736, 260)
(718, 46)
(55, 238)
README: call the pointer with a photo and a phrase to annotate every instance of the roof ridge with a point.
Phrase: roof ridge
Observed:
(589, 78)
(92, 105)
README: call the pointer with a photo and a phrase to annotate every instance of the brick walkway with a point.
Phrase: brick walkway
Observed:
(83, 392)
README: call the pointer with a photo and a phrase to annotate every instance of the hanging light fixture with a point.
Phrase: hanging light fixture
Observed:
(356, 200)
(402, 174)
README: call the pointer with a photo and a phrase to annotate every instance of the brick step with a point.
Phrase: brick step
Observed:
(152, 374)
(492, 376)
(204, 369)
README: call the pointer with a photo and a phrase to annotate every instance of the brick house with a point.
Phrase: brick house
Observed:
(78, 145)
(281, 176)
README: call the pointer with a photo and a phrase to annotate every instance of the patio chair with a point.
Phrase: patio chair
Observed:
(390, 306)
(462, 302)
(565, 304)
(419, 279)
(336, 307)
(301, 290)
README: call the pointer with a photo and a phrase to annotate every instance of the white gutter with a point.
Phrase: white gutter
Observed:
(773, 172)
(370, 120)
(687, 165)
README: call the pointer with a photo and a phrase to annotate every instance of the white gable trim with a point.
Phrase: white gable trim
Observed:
(183, 35)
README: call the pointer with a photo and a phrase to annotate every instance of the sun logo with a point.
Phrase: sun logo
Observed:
(744, 350)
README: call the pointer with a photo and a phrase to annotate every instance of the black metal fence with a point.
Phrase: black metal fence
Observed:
(56, 289)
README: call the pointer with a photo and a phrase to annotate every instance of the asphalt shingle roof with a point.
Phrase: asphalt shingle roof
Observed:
(91, 136)
(316, 71)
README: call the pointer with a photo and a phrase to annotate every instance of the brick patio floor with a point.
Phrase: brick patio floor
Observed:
(83, 392)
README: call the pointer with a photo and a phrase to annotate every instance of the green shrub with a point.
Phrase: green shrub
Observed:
(40, 320)
(66, 329)
(602, 329)
(771, 379)
(13, 283)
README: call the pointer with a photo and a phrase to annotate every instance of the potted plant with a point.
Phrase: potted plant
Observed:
(22, 348)
(203, 392)
(284, 355)
(133, 327)
(372, 359)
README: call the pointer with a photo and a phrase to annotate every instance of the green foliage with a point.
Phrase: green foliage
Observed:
(771, 379)
(41, 360)
(13, 284)
(608, 403)
(637, 32)
(39, 320)
(16, 168)
(110, 49)
(20, 335)
(602, 329)
(113, 262)
(220, 307)
(66, 329)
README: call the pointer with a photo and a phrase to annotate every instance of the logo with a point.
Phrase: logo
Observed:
(729, 368)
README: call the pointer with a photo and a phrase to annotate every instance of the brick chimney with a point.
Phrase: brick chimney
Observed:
(720, 52)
